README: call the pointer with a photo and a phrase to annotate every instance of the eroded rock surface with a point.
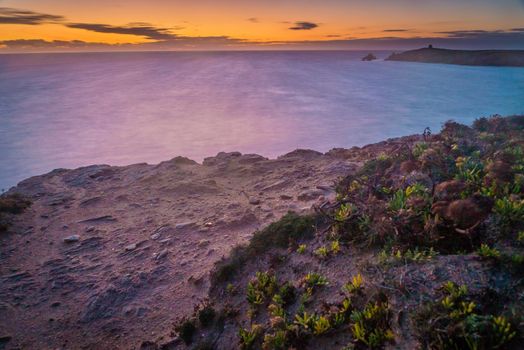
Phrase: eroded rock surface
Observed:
(109, 257)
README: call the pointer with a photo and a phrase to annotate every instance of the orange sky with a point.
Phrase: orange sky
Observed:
(254, 22)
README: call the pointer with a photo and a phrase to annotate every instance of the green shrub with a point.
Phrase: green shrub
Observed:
(456, 322)
(13, 203)
(486, 252)
(313, 279)
(186, 329)
(290, 228)
(248, 337)
(510, 211)
(206, 315)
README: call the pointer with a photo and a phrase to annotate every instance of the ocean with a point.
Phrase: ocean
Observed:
(77, 109)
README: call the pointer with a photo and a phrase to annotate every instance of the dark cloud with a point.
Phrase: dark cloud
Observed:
(512, 37)
(14, 16)
(395, 30)
(39, 44)
(139, 29)
(176, 43)
(253, 20)
(304, 26)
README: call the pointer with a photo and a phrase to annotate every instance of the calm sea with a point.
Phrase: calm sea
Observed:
(70, 110)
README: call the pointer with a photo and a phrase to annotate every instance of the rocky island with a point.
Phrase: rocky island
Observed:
(415, 242)
(503, 58)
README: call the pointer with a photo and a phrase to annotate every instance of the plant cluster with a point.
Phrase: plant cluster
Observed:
(455, 321)
(11, 204)
(448, 192)
(366, 319)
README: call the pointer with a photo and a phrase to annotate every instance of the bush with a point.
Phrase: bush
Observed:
(289, 229)
(186, 329)
(456, 322)
(13, 204)
(206, 315)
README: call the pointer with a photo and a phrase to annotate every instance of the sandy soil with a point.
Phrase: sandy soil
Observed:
(109, 257)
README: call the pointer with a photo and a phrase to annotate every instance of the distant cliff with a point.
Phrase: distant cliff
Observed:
(508, 58)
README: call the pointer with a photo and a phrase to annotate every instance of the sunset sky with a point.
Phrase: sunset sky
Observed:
(64, 25)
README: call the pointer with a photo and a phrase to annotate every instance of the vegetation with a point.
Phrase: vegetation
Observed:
(432, 208)
(287, 231)
(11, 204)
(455, 321)
(186, 329)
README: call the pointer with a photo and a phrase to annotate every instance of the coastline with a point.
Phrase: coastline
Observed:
(495, 58)
(117, 257)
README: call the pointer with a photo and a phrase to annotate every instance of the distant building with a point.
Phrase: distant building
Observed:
(430, 46)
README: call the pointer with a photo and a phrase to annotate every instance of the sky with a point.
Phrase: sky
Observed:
(99, 25)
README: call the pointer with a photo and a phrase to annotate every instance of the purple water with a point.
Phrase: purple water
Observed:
(70, 110)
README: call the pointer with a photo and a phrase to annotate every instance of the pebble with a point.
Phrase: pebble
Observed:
(162, 254)
(131, 247)
(309, 195)
(254, 201)
(90, 229)
(72, 239)
(203, 242)
(184, 225)
(156, 235)
(286, 197)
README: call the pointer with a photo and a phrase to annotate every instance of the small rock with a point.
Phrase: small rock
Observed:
(286, 197)
(309, 195)
(72, 239)
(156, 235)
(131, 247)
(208, 224)
(254, 201)
(203, 242)
(162, 254)
(90, 229)
(184, 225)
(233, 205)
(266, 208)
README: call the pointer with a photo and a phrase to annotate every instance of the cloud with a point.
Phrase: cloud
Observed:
(39, 44)
(395, 30)
(253, 20)
(175, 43)
(304, 26)
(15, 16)
(140, 29)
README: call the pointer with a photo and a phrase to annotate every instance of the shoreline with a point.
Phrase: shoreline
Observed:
(488, 58)
(121, 256)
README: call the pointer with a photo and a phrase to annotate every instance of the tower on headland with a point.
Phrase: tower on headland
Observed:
(430, 46)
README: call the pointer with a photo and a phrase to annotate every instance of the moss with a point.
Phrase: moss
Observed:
(280, 234)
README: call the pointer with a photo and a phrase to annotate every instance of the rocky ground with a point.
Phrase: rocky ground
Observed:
(109, 257)
(411, 243)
